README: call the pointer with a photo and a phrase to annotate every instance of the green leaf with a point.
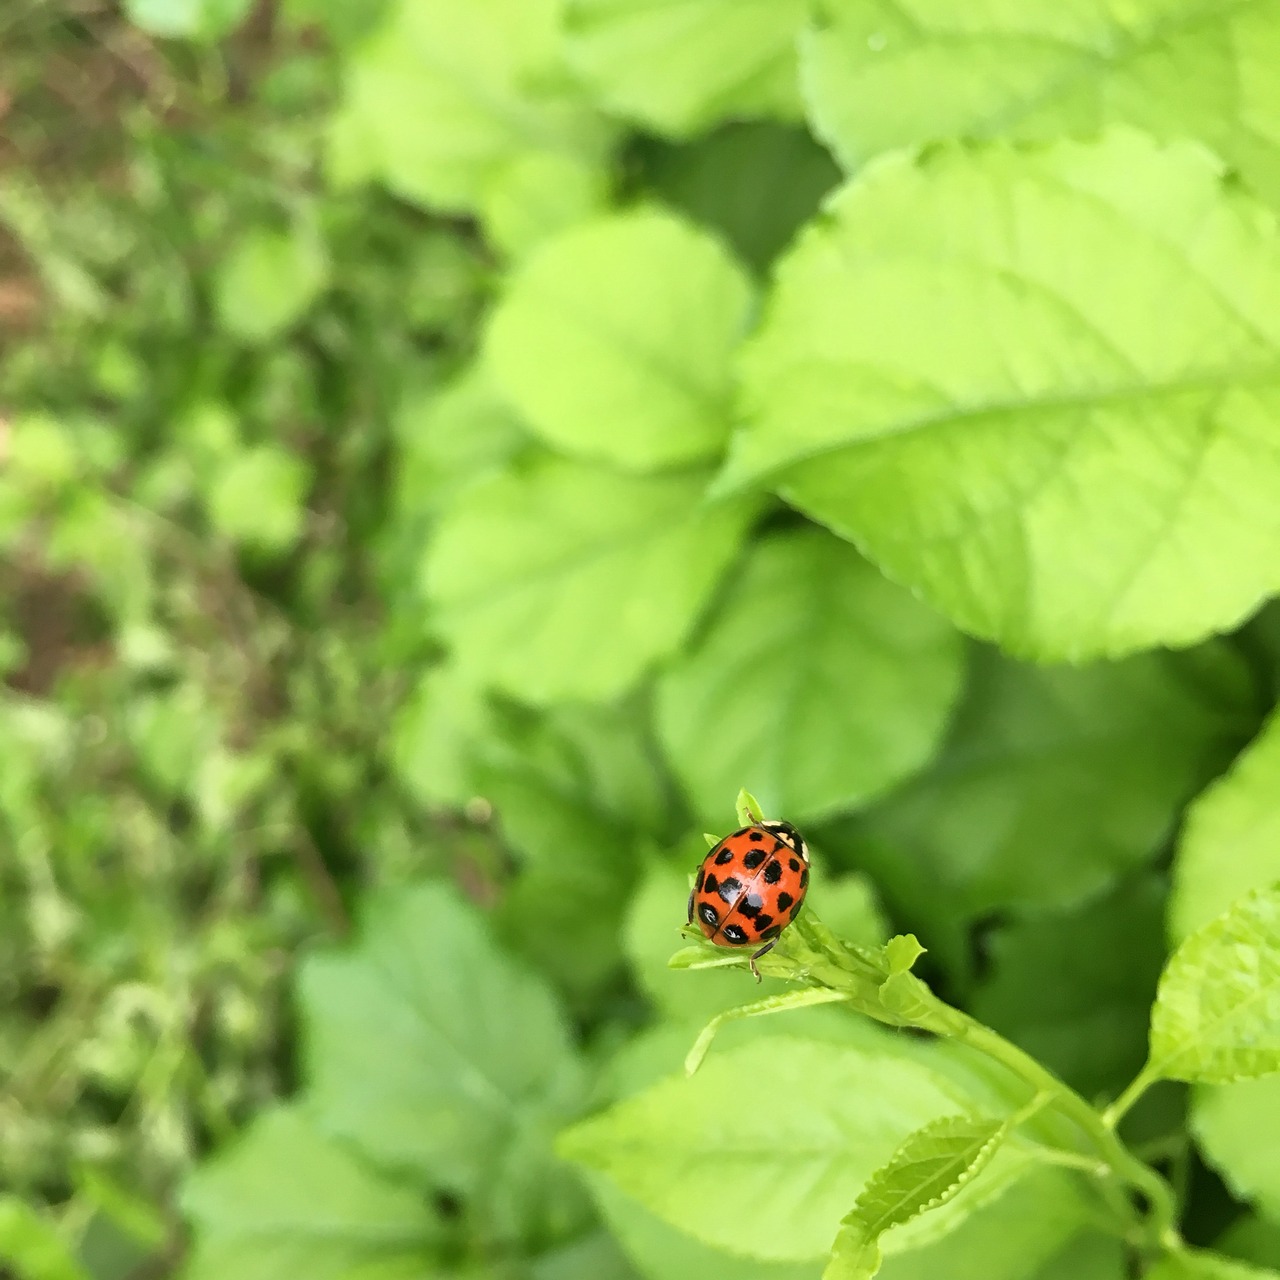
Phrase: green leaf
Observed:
(1092, 1255)
(1009, 1238)
(1202, 1265)
(595, 1256)
(660, 1252)
(450, 436)
(435, 1053)
(879, 76)
(258, 499)
(939, 382)
(754, 182)
(927, 1170)
(564, 909)
(1231, 839)
(1237, 1128)
(558, 581)
(31, 1247)
(1087, 766)
(286, 1201)
(192, 19)
(689, 1156)
(803, 998)
(683, 65)
(268, 281)
(1251, 1238)
(486, 74)
(819, 682)
(1073, 988)
(901, 952)
(1217, 1011)
(434, 737)
(615, 341)
(747, 808)
(537, 196)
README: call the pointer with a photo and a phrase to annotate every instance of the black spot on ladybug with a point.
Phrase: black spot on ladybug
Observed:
(804, 877)
(731, 886)
(756, 835)
(708, 913)
(697, 887)
(762, 923)
(784, 901)
(772, 931)
(710, 883)
(751, 904)
(735, 933)
(794, 865)
(725, 855)
(754, 859)
(773, 872)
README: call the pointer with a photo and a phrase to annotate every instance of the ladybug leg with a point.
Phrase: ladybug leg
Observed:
(768, 946)
(690, 920)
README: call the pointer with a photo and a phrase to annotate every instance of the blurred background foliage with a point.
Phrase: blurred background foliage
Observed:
(310, 616)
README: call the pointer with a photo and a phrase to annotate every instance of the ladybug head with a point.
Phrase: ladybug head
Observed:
(789, 836)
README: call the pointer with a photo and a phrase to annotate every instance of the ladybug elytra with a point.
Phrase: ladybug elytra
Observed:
(751, 886)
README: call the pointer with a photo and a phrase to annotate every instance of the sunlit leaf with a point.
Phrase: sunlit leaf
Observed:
(682, 65)
(1217, 1011)
(881, 75)
(615, 340)
(927, 1170)
(1230, 842)
(1011, 435)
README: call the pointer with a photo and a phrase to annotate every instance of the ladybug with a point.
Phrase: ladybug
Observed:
(751, 886)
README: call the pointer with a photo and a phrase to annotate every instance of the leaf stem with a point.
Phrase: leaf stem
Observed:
(1157, 1192)
(1133, 1091)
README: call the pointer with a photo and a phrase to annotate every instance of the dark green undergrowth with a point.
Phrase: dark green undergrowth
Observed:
(449, 449)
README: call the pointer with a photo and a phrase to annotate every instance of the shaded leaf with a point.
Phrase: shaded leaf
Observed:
(1087, 767)
(436, 1054)
(285, 1200)
(754, 182)
(1196, 1264)
(558, 581)
(819, 683)
(1074, 988)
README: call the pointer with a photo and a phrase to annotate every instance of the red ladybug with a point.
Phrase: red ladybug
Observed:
(751, 886)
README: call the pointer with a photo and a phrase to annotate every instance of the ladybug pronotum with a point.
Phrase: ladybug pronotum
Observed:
(751, 886)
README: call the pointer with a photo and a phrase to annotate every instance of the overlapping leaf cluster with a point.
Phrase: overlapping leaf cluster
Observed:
(846, 368)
